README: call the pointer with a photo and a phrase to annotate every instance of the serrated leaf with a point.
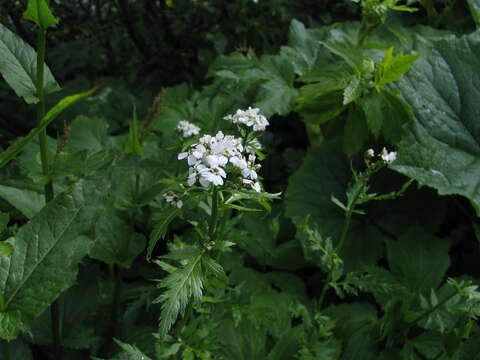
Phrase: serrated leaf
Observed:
(441, 147)
(47, 252)
(133, 352)
(14, 149)
(372, 106)
(392, 67)
(413, 257)
(38, 12)
(180, 287)
(18, 65)
(160, 229)
(352, 91)
(351, 54)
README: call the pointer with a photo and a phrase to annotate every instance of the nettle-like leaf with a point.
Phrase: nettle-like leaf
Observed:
(441, 147)
(419, 259)
(392, 67)
(18, 65)
(326, 172)
(46, 254)
(38, 12)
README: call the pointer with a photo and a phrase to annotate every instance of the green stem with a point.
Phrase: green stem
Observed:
(432, 310)
(48, 189)
(6, 349)
(213, 215)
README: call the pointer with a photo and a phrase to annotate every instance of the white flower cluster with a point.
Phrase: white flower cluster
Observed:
(173, 199)
(213, 156)
(187, 129)
(386, 156)
(249, 117)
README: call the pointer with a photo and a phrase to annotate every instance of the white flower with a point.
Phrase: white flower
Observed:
(250, 118)
(370, 153)
(213, 157)
(173, 199)
(388, 157)
(255, 185)
(187, 129)
(214, 175)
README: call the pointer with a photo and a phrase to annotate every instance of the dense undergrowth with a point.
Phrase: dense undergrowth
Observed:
(299, 184)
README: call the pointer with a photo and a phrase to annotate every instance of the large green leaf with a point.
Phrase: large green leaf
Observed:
(441, 148)
(116, 241)
(420, 260)
(47, 252)
(326, 172)
(18, 65)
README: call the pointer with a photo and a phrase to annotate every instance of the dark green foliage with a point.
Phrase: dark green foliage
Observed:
(339, 256)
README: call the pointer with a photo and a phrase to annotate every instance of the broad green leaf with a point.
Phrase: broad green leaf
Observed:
(26, 201)
(350, 53)
(419, 259)
(47, 252)
(303, 48)
(133, 352)
(392, 67)
(354, 326)
(38, 12)
(441, 147)
(372, 105)
(326, 172)
(18, 65)
(14, 149)
(277, 94)
(116, 242)
(356, 131)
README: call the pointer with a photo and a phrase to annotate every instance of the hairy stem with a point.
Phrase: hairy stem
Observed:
(214, 215)
(346, 226)
(48, 189)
